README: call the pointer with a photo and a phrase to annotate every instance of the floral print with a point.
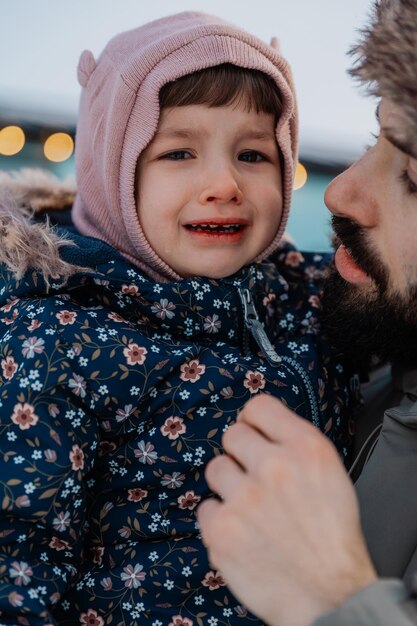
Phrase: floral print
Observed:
(114, 393)
(24, 416)
(77, 458)
(163, 309)
(21, 572)
(137, 494)
(135, 354)
(91, 619)
(192, 371)
(188, 501)
(66, 317)
(32, 346)
(173, 427)
(9, 367)
(133, 576)
(254, 381)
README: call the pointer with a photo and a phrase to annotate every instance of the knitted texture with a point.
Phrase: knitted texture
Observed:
(119, 114)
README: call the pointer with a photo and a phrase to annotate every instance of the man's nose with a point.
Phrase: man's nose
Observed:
(354, 194)
(221, 186)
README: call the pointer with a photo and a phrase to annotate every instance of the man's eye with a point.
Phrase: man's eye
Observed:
(177, 155)
(251, 156)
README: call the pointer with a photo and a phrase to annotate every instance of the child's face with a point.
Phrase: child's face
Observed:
(210, 197)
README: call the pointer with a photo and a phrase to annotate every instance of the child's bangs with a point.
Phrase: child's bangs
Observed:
(224, 85)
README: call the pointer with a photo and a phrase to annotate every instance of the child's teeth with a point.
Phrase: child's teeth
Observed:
(215, 227)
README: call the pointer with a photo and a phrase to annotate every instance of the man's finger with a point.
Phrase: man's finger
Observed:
(247, 446)
(224, 476)
(208, 514)
(274, 420)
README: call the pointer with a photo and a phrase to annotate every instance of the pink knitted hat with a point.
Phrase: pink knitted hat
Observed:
(119, 113)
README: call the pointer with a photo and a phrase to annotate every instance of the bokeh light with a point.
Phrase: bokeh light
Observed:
(58, 147)
(300, 177)
(12, 140)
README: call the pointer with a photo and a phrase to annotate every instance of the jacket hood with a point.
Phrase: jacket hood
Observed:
(386, 61)
(119, 114)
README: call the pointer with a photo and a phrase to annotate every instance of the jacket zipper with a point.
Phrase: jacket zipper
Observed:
(252, 323)
(256, 329)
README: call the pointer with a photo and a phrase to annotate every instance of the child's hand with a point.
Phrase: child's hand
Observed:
(286, 535)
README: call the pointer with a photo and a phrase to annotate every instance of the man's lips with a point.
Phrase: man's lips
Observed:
(230, 227)
(349, 269)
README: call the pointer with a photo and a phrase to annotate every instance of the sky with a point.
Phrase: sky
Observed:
(41, 41)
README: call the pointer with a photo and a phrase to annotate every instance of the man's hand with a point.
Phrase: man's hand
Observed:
(286, 535)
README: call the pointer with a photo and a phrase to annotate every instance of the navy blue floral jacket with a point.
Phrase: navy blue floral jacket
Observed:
(114, 392)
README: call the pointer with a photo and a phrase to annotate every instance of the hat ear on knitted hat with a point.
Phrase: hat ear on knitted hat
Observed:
(86, 66)
(274, 43)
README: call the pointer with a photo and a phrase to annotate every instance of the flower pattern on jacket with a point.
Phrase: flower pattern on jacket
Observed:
(115, 392)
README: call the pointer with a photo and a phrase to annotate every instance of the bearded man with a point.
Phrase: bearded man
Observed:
(294, 539)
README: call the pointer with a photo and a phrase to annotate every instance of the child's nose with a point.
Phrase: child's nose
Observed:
(221, 188)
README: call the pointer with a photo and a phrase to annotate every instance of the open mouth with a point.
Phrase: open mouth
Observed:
(216, 228)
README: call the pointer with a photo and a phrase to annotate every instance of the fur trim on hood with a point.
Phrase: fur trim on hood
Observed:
(386, 61)
(27, 244)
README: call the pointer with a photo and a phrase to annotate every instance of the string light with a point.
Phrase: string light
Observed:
(300, 177)
(58, 147)
(12, 140)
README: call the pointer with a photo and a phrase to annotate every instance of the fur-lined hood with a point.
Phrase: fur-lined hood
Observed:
(386, 61)
(26, 243)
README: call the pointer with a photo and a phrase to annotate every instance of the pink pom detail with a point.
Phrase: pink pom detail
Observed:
(86, 66)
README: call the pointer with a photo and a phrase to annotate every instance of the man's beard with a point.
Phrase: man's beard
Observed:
(372, 321)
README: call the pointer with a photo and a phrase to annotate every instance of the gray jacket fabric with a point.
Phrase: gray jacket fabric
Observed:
(381, 604)
(387, 493)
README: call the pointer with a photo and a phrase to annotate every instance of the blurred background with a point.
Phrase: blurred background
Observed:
(41, 42)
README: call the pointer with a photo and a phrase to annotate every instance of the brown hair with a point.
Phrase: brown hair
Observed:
(222, 85)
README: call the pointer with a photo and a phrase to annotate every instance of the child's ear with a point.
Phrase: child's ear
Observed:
(275, 43)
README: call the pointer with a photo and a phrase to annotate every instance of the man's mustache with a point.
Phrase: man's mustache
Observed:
(356, 240)
(352, 236)
(348, 233)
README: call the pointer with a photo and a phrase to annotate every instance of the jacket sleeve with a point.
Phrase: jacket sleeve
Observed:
(384, 603)
(48, 439)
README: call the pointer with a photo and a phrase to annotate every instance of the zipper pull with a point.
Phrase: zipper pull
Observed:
(255, 327)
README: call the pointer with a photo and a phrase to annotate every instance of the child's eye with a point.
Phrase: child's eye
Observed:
(410, 185)
(177, 155)
(251, 156)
